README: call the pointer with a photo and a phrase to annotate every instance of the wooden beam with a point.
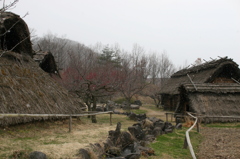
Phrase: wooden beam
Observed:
(53, 115)
(110, 118)
(58, 115)
(192, 82)
(70, 123)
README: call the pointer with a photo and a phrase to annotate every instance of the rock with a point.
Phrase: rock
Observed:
(146, 151)
(133, 156)
(154, 119)
(114, 135)
(147, 124)
(100, 109)
(168, 126)
(149, 138)
(125, 105)
(133, 116)
(159, 124)
(157, 131)
(141, 117)
(133, 106)
(178, 126)
(138, 102)
(137, 132)
(125, 139)
(113, 152)
(131, 151)
(37, 155)
(169, 130)
(83, 154)
(138, 124)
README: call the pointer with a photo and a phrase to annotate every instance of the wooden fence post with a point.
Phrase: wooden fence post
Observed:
(110, 118)
(198, 129)
(166, 117)
(198, 122)
(70, 123)
(185, 144)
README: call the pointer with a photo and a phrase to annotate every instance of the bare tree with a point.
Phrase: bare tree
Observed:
(134, 73)
(161, 68)
(9, 6)
(58, 46)
(91, 75)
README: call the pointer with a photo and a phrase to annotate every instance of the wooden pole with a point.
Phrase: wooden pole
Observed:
(110, 118)
(185, 145)
(198, 129)
(192, 82)
(70, 123)
(166, 117)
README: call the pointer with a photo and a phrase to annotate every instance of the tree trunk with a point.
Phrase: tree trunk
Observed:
(128, 104)
(88, 103)
(94, 119)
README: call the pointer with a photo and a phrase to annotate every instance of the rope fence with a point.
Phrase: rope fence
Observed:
(60, 115)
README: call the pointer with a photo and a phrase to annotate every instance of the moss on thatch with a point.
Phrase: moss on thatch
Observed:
(25, 88)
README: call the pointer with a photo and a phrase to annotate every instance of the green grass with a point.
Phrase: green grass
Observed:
(139, 111)
(152, 107)
(172, 144)
(51, 142)
(224, 125)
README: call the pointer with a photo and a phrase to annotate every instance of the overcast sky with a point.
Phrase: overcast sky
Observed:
(184, 29)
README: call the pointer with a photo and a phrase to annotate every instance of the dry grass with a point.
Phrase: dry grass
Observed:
(54, 139)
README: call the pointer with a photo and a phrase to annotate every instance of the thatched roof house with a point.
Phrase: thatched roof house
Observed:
(209, 88)
(25, 88)
(210, 99)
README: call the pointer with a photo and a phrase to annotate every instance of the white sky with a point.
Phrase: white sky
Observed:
(185, 29)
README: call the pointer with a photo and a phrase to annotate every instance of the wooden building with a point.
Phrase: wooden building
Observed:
(211, 88)
(26, 89)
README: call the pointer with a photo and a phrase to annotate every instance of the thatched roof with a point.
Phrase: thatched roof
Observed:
(14, 34)
(26, 88)
(213, 99)
(212, 88)
(204, 73)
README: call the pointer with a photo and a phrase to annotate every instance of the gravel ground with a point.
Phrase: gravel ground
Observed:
(220, 143)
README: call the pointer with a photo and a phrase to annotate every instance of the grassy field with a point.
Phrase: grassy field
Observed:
(171, 145)
(53, 138)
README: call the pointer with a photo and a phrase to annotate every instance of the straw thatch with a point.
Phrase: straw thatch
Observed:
(223, 71)
(26, 88)
(204, 73)
(14, 34)
(211, 99)
(46, 62)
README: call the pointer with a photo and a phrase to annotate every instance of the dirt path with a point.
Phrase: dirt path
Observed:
(220, 143)
(158, 113)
